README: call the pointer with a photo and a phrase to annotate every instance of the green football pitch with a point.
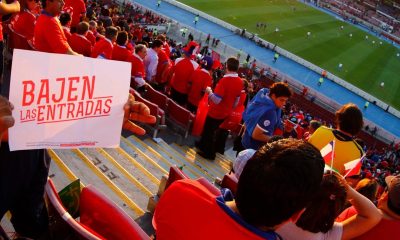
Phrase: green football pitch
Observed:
(366, 62)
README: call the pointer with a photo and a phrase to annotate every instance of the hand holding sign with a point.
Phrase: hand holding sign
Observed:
(6, 120)
(136, 111)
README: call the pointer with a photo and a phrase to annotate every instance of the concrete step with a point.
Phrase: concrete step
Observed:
(89, 172)
(157, 166)
(152, 149)
(61, 175)
(144, 176)
(212, 167)
(218, 158)
(189, 166)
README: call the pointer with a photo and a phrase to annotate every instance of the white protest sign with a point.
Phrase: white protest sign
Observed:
(64, 101)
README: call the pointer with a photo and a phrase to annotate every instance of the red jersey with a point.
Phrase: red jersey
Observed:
(80, 44)
(183, 69)
(78, 10)
(23, 23)
(138, 71)
(49, 35)
(200, 80)
(228, 89)
(103, 48)
(91, 37)
(67, 32)
(386, 229)
(162, 67)
(120, 53)
(166, 49)
(188, 210)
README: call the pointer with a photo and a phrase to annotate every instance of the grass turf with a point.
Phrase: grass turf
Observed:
(365, 64)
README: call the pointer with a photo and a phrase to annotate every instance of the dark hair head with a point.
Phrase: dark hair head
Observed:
(111, 32)
(278, 181)
(122, 38)
(232, 64)
(327, 204)
(314, 124)
(64, 18)
(349, 119)
(82, 28)
(43, 2)
(156, 44)
(280, 89)
(368, 188)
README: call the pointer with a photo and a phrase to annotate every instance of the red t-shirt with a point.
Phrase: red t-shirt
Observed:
(347, 213)
(104, 47)
(386, 229)
(67, 33)
(121, 53)
(80, 44)
(162, 66)
(23, 23)
(229, 89)
(183, 69)
(200, 80)
(78, 9)
(49, 35)
(188, 210)
(90, 36)
(138, 70)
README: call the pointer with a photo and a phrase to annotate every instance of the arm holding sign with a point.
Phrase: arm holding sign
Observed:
(7, 8)
(136, 111)
(6, 119)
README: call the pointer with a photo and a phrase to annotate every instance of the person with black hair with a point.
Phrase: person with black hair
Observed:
(349, 122)
(78, 41)
(263, 115)
(275, 186)
(104, 47)
(48, 34)
(222, 101)
(317, 222)
(180, 76)
(120, 52)
(199, 81)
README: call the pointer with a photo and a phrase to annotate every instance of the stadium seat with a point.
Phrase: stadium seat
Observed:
(229, 181)
(180, 117)
(154, 110)
(62, 224)
(106, 218)
(213, 189)
(175, 174)
(156, 97)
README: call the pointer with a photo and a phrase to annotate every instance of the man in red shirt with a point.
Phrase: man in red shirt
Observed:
(120, 52)
(78, 42)
(65, 20)
(104, 47)
(181, 73)
(200, 80)
(49, 35)
(138, 71)
(274, 187)
(78, 11)
(91, 34)
(222, 101)
(389, 204)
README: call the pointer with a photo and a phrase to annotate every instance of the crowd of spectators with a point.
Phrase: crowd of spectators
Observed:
(380, 14)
